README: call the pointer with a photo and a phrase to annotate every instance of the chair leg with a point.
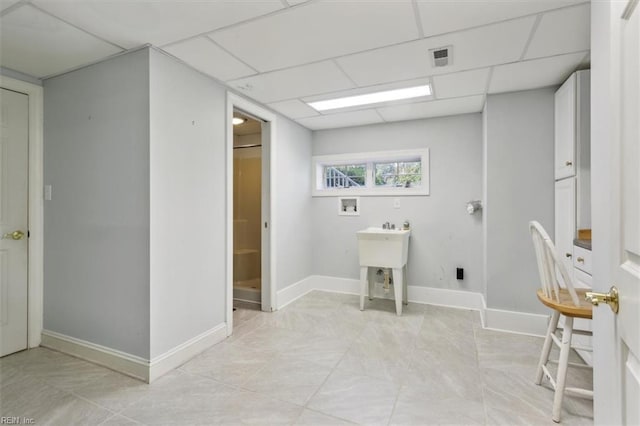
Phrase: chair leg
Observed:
(363, 284)
(546, 348)
(562, 368)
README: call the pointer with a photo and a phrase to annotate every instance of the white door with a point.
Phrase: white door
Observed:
(617, 337)
(14, 148)
(267, 299)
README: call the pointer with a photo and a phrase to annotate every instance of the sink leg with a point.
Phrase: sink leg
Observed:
(371, 282)
(405, 291)
(363, 284)
(398, 286)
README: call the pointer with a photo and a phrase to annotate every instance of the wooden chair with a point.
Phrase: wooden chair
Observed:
(558, 293)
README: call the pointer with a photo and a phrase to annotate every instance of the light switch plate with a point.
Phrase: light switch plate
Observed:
(47, 192)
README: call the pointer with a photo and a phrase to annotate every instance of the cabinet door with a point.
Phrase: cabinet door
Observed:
(565, 219)
(565, 129)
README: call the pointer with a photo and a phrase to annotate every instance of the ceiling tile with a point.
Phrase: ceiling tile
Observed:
(132, 23)
(436, 108)
(319, 30)
(534, 73)
(562, 31)
(294, 109)
(204, 55)
(292, 83)
(7, 3)
(40, 45)
(346, 119)
(476, 48)
(440, 17)
(459, 84)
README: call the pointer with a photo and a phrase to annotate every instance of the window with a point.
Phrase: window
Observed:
(402, 174)
(344, 176)
(374, 173)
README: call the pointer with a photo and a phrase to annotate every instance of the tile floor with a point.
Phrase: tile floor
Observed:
(319, 361)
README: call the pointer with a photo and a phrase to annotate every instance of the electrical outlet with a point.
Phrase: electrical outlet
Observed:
(396, 203)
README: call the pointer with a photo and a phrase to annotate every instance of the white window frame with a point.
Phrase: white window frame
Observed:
(370, 159)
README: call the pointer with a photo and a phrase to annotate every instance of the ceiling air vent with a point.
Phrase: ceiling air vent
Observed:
(441, 56)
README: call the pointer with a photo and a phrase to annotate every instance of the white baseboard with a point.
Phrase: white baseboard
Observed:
(496, 319)
(417, 294)
(177, 356)
(125, 363)
(516, 322)
(294, 291)
(133, 365)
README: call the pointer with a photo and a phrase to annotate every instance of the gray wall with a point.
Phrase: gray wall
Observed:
(294, 241)
(96, 240)
(519, 187)
(443, 235)
(188, 187)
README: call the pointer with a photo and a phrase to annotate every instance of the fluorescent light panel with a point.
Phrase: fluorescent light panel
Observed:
(372, 98)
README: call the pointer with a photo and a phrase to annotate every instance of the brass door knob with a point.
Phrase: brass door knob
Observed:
(568, 255)
(568, 163)
(610, 298)
(580, 259)
(15, 235)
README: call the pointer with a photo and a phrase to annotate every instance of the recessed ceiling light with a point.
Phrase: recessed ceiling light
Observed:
(238, 120)
(372, 98)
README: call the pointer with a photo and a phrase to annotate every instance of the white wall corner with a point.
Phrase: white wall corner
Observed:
(182, 353)
(125, 363)
(133, 365)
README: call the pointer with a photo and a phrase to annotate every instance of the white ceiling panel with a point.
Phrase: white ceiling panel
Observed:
(433, 108)
(132, 23)
(534, 73)
(562, 31)
(476, 48)
(204, 55)
(294, 109)
(459, 84)
(292, 83)
(319, 30)
(7, 3)
(440, 17)
(37, 44)
(346, 119)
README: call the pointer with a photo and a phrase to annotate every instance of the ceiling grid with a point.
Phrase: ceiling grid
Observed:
(285, 53)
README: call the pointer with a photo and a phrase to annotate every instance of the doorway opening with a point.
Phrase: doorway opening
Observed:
(247, 212)
(251, 252)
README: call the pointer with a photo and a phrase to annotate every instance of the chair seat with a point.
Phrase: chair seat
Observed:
(566, 306)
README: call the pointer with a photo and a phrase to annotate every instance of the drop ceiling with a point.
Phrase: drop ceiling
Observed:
(284, 53)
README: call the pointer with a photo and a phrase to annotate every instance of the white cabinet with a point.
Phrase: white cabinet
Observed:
(565, 129)
(572, 162)
(565, 219)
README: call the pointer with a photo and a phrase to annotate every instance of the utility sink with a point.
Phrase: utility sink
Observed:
(384, 248)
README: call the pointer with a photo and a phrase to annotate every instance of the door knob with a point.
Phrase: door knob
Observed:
(610, 298)
(15, 235)
(568, 163)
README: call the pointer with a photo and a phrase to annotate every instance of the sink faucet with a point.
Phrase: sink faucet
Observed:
(386, 225)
